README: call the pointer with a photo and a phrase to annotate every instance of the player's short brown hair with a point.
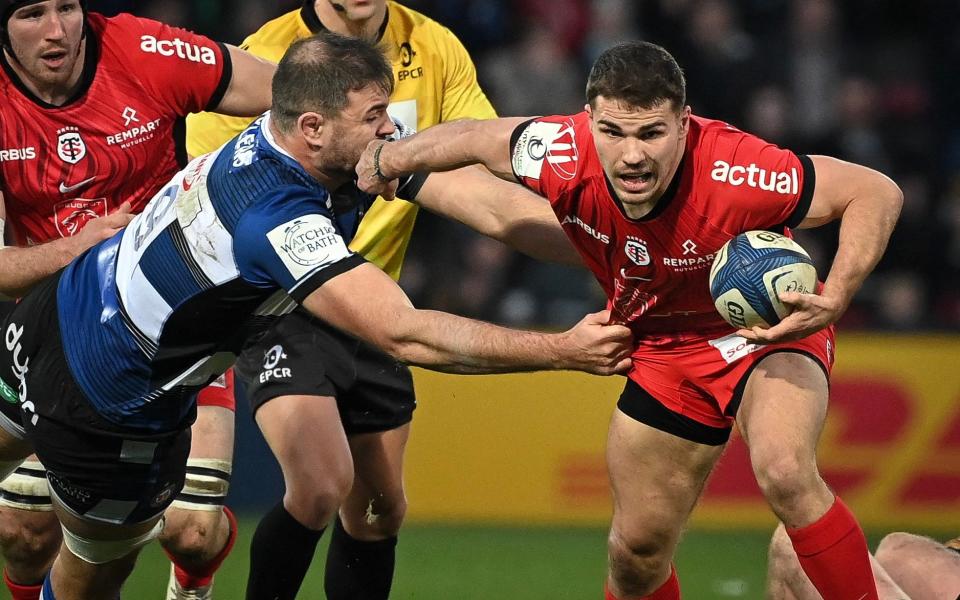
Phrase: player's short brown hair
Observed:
(317, 73)
(640, 74)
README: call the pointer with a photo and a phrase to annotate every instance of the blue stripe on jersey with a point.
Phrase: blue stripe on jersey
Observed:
(167, 271)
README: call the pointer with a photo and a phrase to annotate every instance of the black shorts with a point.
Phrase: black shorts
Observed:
(99, 470)
(302, 355)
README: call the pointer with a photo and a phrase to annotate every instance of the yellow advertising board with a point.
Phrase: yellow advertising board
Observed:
(530, 448)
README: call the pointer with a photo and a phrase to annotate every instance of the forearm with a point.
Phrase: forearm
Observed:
(865, 229)
(450, 146)
(22, 268)
(445, 342)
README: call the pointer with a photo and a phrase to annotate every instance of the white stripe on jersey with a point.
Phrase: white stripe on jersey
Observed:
(148, 310)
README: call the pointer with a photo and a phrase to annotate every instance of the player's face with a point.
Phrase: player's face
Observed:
(638, 148)
(355, 10)
(364, 119)
(46, 39)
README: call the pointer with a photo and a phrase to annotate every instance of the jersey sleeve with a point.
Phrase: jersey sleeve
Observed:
(186, 71)
(462, 96)
(289, 240)
(207, 131)
(534, 164)
(760, 185)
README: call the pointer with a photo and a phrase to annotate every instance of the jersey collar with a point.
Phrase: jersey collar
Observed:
(90, 61)
(662, 203)
(309, 15)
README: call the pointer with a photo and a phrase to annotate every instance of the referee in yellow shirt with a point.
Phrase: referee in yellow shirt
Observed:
(335, 411)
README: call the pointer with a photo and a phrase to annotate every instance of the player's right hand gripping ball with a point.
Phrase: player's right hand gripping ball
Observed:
(749, 273)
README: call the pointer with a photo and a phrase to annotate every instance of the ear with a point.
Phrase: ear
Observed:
(310, 125)
(684, 120)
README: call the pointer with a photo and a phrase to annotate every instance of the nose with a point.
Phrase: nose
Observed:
(387, 128)
(634, 151)
(54, 29)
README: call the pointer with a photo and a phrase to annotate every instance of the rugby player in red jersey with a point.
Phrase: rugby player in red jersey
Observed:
(647, 193)
(91, 111)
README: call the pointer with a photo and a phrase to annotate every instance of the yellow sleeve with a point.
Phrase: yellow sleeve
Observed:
(462, 96)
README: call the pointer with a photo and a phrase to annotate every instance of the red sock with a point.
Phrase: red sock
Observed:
(833, 553)
(21, 592)
(191, 578)
(670, 590)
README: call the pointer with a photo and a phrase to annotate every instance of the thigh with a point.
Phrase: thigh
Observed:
(783, 407)
(924, 568)
(656, 478)
(306, 437)
(213, 433)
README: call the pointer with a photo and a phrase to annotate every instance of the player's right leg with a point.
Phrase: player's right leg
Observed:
(307, 438)
(29, 530)
(657, 478)
(787, 581)
(924, 568)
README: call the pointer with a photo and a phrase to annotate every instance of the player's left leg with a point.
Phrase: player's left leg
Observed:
(200, 531)
(786, 580)
(360, 562)
(29, 531)
(924, 568)
(784, 404)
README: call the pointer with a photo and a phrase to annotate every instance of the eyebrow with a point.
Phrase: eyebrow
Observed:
(612, 125)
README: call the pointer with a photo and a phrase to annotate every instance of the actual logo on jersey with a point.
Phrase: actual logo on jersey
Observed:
(28, 153)
(755, 177)
(575, 220)
(636, 250)
(71, 215)
(307, 243)
(70, 146)
(271, 358)
(179, 48)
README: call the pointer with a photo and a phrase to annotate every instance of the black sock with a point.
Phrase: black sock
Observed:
(358, 570)
(280, 554)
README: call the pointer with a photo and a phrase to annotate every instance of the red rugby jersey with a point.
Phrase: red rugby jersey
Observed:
(61, 166)
(654, 270)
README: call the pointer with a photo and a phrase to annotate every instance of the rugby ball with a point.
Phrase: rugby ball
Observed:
(749, 273)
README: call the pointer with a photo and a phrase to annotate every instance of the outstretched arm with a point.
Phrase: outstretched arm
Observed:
(504, 211)
(440, 148)
(868, 205)
(364, 301)
(22, 268)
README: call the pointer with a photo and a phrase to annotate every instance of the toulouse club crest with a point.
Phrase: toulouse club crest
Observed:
(71, 215)
(636, 250)
(70, 146)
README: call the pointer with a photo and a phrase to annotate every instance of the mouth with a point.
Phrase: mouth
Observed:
(637, 181)
(54, 59)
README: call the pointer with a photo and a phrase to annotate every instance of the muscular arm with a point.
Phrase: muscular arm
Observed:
(248, 93)
(503, 211)
(22, 268)
(441, 148)
(868, 205)
(367, 303)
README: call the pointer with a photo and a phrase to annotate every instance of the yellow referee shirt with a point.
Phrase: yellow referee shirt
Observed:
(435, 81)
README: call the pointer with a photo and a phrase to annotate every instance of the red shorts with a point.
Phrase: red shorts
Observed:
(702, 379)
(219, 393)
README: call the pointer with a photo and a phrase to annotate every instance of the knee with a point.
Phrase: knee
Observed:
(894, 550)
(29, 538)
(314, 503)
(785, 478)
(637, 562)
(376, 518)
(191, 534)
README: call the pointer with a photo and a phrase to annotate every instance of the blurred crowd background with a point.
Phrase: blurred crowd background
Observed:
(871, 81)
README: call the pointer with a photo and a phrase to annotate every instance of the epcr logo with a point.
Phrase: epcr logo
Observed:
(273, 356)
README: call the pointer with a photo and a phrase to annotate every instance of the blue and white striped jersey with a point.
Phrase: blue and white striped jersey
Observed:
(155, 313)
